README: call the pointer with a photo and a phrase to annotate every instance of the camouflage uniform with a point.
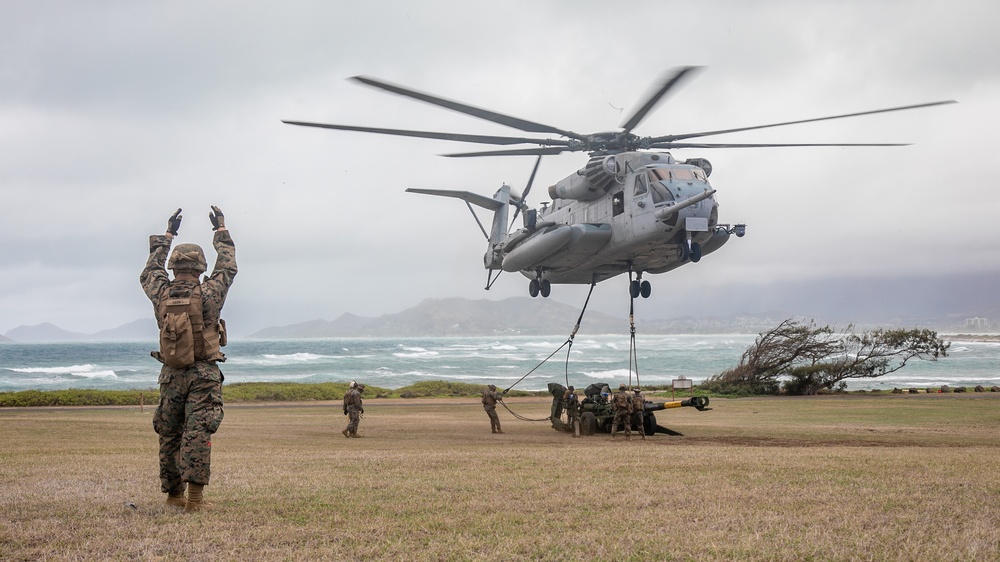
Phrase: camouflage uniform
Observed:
(572, 405)
(621, 405)
(638, 406)
(190, 408)
(490, 399)
(353, 408)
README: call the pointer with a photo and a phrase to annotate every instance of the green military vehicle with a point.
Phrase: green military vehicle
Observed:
(596, 413)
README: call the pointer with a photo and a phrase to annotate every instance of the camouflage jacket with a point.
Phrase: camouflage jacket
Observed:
(353, 399)
(638, 403)
(490, 398)
(622, 402)
(214, 288)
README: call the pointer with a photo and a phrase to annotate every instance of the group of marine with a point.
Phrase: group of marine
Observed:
(627, 408)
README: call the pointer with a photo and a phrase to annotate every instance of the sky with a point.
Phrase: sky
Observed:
(114, 114)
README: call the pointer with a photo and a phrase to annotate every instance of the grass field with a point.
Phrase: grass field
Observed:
(895, 477)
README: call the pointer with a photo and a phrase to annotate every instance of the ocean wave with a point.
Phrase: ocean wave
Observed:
(417, 355)
(82, 371)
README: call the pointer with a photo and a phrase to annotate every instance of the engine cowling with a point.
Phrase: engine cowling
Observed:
(591, 182)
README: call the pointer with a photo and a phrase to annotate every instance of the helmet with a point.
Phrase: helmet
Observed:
(353, 384)
(360, 387)
(492, 387)
(622, 387)
(636, 389)
(571, 389)
(188, 257)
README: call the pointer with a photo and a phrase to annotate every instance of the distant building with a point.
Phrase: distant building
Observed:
(977, 322)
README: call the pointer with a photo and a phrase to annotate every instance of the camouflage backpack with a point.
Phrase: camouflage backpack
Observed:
(184, 337)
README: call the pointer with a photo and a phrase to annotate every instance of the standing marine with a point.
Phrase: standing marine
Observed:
(353, 408)
(572, 405)
(490, 399)
(638, 406)
(621, 405)
(191, 333)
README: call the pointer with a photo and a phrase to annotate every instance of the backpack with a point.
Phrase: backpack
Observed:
(184, 338)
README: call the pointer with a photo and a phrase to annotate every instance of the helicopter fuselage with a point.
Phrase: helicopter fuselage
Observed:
(636, 211)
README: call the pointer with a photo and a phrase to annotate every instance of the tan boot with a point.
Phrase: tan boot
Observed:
(345, 433)
(176, 497)
(196, 499)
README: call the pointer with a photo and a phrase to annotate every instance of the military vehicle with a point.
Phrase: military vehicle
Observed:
(596, 413)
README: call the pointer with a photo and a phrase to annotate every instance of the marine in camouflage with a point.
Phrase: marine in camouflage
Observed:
(190, 408)
(353, 408)
(490, 399)
(638, 406)
(621, 405)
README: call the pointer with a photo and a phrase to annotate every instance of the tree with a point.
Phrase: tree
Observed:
(805, 358)
(871, 354)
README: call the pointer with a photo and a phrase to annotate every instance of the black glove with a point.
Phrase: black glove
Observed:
(218, 220)
(345, 411)
(174, 222)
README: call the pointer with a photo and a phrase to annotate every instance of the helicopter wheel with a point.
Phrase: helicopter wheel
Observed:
(545, 288)
(634, 289)
(533, 288)
(695, 252)
(645, 289)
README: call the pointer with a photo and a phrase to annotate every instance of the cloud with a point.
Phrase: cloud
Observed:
(115, 115)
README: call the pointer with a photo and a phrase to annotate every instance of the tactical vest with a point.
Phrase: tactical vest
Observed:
(184, 338)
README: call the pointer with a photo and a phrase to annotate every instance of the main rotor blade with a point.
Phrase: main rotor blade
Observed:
(640, 114)
(521, 124)
(708, 133)
(513, 152)
(483, 139)
(669, 145)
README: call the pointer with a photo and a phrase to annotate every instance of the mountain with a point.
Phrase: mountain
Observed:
(455, 317)
(43, 332)
(138, 330)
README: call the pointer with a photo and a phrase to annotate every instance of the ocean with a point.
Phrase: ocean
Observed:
(398, 362)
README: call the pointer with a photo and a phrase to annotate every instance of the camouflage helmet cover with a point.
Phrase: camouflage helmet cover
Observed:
(622, 387)
(188, 257)
(492, 387)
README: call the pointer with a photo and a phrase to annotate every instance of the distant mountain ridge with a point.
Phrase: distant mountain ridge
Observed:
(454, 317)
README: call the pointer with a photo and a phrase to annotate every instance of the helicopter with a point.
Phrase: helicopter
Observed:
(632, 208)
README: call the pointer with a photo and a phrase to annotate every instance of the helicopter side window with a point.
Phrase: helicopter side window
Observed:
(618, 203)
(699, 174)
(640, 186)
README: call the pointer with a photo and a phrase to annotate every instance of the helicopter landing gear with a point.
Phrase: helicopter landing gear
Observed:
(692, 250)
(539, 286)
(637, 289)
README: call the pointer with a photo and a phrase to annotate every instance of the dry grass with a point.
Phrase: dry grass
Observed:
(825, 478)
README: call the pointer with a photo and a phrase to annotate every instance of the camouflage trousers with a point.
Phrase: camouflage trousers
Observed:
(637, 420)
(353, 419)
(190, 411)
(622, 419)
(491, 411)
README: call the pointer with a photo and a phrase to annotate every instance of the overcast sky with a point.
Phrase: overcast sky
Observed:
(113, 114)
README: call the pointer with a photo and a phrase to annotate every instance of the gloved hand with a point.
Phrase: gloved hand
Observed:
(218, 220)
(174, 222)
(345, 411)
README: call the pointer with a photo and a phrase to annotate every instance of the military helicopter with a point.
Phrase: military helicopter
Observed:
(631, 209)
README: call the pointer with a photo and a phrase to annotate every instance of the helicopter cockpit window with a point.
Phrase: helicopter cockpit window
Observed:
(659, 191)
(684, 174)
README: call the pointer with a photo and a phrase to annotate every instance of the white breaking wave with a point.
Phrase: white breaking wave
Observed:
(85, 371)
